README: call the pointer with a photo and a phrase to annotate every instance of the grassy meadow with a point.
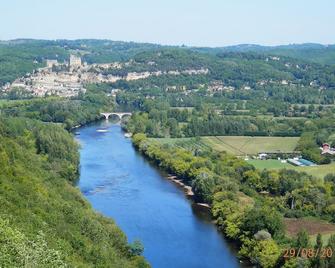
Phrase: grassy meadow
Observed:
(237, 145)
(318, 171)
(269, 164)
(247, 145)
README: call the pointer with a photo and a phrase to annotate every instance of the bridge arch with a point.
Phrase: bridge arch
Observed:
(119, 115)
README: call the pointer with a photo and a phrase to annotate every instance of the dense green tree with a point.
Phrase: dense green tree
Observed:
(331, 244)
(302, 239)
(263, 218)
(48, 223)
(136, 248)
(317, 261)
(203, 186)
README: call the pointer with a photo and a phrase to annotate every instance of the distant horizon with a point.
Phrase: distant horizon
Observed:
(213, 23)
(172, 45)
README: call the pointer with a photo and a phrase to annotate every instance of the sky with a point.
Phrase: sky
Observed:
(172, 22)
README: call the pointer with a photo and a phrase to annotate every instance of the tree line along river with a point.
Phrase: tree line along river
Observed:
(121, 184)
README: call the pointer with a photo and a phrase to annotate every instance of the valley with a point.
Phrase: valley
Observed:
(231, 127)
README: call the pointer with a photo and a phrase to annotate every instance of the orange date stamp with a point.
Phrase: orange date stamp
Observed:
(308, 252)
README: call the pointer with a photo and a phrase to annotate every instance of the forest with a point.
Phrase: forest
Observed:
(39, 164)
(71, 113)
(39, 167)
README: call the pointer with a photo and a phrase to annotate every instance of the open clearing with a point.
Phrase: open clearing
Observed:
(247, 145)
(317, 171)
(312, 226)
(238, 145)
(269, 164)
(2, 102)
(190, 144)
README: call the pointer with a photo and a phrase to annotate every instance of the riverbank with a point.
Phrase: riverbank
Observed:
(187, 190)
(234, 211)
(146, 205)
(206, 208)
(45, 221)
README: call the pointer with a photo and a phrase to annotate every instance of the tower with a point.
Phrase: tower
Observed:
(74, 61)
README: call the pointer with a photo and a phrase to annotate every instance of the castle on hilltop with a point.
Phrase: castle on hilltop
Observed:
(74, 61)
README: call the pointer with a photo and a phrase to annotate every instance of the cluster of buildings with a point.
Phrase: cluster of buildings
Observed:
(45, 81)
(69, 79)
(326, 149)
(217, 86)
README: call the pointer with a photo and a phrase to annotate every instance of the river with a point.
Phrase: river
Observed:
(121, 184)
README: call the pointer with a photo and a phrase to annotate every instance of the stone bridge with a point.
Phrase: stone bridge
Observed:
(119, 115)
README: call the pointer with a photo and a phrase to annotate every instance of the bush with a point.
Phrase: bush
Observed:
(262, 235)
(136, 248)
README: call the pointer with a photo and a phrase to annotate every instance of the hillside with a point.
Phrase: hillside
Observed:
(317, 53)
(21, 56)
(235, 69)
(243, 64)
(240, 76)
(44, 220)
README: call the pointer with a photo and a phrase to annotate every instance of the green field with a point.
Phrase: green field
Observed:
(317, 171)
(190, 144)
(11, 102)
(269, 164)
(268, 116)
(242, 145)
(247, 145)
(2, 102)
(237, 145)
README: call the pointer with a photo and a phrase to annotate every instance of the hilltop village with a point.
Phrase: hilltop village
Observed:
(69, 78)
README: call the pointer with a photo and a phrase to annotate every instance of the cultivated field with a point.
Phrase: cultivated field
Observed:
(241, 145)
(247, 145)
(190, 144)
(312, 226)
(237, 145)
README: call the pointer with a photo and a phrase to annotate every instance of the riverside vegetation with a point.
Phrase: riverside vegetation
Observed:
(245, 91)
(235, 191)
(44, 219)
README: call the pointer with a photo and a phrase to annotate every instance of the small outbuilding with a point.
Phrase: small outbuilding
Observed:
(262, 156)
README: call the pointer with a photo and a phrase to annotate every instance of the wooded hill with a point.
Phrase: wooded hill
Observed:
(44, 219)
(233, 65)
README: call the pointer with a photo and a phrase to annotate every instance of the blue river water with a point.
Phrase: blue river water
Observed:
(121, 184)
